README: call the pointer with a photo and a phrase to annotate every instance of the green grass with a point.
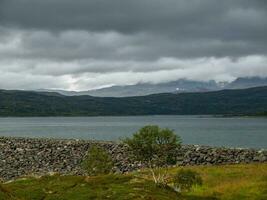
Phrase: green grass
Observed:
(232, 182)
(229, 182)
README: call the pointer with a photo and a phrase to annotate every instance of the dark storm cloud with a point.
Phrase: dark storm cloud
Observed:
(178, 28)
(89, 43)
(128, 16)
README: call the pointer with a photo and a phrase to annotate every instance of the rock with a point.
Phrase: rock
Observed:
(24, 156)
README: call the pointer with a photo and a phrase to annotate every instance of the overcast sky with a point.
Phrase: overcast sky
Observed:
(85, 44)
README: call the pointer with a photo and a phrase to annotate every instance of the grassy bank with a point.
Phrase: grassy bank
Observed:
(220, 182)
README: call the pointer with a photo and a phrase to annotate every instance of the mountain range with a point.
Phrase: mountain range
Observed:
(224, 102)
(179, 86)
(247, 82)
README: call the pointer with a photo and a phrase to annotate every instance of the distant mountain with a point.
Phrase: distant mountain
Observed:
(179, 86)
(247, 82)
(225, 102)
(143, 89)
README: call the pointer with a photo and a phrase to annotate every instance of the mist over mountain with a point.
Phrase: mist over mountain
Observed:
(247, 82)
(143, 89)
(179, 86)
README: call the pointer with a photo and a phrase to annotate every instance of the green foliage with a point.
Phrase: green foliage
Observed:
(185, 179)
(98, 161)
(154, 146)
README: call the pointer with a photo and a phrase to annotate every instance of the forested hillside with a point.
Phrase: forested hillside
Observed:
(225, 102)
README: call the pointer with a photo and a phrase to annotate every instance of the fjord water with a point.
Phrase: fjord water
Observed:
(202, 130)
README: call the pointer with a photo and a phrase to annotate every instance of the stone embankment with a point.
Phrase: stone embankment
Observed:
(24, 156)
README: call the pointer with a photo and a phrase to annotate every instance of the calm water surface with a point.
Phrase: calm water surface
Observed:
(205, 130)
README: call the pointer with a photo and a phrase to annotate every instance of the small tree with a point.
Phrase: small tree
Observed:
(97, 161)
(154, 147)
(184, 180)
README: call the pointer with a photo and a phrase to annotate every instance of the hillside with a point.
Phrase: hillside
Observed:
(225, 102)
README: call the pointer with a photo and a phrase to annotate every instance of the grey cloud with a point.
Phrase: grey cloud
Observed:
(75, 45)
(194, 18)
(90, 43)
(121, 15)
(27, 81)
(82, 76)
(169, 28)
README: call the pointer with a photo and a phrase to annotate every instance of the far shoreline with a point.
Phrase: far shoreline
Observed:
(157, 115)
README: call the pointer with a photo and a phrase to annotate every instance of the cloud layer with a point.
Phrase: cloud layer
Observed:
(82, 44)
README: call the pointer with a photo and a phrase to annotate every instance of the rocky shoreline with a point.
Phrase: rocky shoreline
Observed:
(26, 156)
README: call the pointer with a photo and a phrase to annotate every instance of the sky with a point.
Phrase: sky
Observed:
(88, 44)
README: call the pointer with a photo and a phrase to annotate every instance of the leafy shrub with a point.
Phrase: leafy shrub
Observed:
(184, 180)
(154, 147)
(98, 161)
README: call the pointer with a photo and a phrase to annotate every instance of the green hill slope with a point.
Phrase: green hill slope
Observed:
(225, 102)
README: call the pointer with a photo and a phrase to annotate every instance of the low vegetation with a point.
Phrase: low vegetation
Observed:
(154, 147)
(98, 161)
(229, 182)
(185, 179)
